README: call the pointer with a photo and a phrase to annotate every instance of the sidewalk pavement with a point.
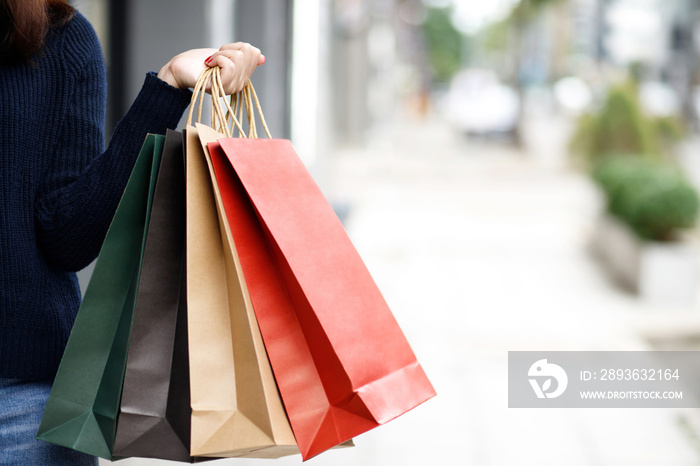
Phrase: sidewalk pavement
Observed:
(479, 250)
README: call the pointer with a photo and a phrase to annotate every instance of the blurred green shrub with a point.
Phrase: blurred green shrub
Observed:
(620, 126)
(668, 130)
(651, 196)
(444, 43)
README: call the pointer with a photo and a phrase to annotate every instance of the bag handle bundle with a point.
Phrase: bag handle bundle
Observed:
(225, 115)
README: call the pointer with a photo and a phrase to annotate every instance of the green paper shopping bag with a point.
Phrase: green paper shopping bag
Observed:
(81, 412)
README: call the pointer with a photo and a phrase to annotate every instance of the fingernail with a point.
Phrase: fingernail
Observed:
(206, 62)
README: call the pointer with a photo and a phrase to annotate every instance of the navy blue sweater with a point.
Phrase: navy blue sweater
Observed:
(59, 187)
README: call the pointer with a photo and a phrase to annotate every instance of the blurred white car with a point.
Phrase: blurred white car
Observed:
(478, 103)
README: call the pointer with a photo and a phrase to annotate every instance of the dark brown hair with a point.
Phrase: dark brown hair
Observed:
(25, 23)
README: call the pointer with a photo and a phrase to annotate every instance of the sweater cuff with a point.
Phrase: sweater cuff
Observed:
(159, 82)
(160, 97)
(157, 107)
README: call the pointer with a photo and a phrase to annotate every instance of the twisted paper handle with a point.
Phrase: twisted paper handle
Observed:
(233, 114)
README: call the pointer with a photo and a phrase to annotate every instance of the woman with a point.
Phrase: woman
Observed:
(59, 189)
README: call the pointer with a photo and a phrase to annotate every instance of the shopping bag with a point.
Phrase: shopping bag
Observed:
(81, 412)
(154, 417)
(236, 408)
(340, 360)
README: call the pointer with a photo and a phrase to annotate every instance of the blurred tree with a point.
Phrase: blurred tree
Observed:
(527, 10)
(620, 126)
(445, 44)
(495, 36)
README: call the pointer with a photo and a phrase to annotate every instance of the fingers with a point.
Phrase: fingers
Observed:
(237, 62)
(244, 47)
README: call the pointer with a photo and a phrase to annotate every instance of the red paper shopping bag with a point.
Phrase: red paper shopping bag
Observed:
(341, 362)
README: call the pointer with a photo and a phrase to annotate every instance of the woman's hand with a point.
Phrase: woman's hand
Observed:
(237, 62)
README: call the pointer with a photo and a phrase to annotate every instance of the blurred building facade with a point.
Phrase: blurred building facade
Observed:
(337, 68)
(331, 64)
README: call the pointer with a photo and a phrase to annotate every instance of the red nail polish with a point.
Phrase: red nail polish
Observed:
(207, 60)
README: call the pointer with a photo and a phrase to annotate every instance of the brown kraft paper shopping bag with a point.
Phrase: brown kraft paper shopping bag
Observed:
(236, 408)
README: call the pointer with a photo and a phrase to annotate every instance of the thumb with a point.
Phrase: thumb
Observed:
(261, 60)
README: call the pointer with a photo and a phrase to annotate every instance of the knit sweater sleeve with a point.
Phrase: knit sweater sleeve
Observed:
(83, 184)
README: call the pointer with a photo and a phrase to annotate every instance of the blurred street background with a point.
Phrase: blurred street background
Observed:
(517, 175)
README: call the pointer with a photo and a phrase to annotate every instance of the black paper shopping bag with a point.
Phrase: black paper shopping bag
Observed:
(154, 417)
